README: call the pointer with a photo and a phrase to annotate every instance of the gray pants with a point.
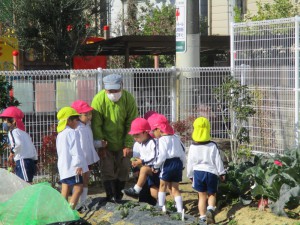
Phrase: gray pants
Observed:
(114, 166)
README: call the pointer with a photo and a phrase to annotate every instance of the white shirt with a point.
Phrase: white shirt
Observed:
(147, 151)
(22, 145)
(70, 154)
(169, 147)
(204, 157)
(87, 143)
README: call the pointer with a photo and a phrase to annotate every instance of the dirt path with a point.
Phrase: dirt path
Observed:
(239, 215)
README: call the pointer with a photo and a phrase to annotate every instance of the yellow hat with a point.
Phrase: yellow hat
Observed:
(63, 116)
(201, 131)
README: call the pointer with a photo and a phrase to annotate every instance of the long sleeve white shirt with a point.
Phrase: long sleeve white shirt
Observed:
(87, 143)
(70, 154)
(204, 157)
(21, 145)
(147, 151)
(169, 147)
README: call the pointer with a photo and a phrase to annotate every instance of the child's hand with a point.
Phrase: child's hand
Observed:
(100, 144)
(127, 152)
(11, 159)
(104, 143)
(154, 170)
(79, 171)
(222, 178)
(136, 162)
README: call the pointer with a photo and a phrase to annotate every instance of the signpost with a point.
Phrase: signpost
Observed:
(181, 26)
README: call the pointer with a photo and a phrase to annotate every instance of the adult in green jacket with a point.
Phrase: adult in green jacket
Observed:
(114, 110)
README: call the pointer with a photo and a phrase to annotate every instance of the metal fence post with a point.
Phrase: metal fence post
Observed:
(173, 92)
(99, 79)
(297, 19)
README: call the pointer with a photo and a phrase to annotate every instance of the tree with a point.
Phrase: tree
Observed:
(239, 101)
(268, 11)
(147, 20)
(54, 28)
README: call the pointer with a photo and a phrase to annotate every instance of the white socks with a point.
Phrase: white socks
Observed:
(83, 195)
(162, 201)
(161, 198)
(211, 207)
(137, 188)
(178, 201)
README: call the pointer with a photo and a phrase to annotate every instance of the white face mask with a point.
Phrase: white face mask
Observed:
(114, 97)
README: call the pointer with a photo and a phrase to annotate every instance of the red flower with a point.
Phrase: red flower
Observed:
(278, 163)
(69, 28)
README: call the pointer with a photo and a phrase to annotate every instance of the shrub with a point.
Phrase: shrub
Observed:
(48, 156)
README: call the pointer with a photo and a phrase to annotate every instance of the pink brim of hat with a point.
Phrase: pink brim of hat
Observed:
(166, 128)
(81, 106)
(85, 109)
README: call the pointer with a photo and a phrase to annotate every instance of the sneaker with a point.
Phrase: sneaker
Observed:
(202, 222)
(130, 192)
(210, 216)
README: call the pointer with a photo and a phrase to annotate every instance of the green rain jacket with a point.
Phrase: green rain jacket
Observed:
(111, 120)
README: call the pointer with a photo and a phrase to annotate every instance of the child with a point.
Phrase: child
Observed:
(204, 167)
(86, 141)
(145, 148)
(170, 161)
(71, 162)
(22, 150)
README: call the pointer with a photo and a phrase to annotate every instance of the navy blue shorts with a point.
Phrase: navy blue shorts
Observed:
(72, 180)
(25, 169)
(153, 180)
(205, 182)
(172, 170)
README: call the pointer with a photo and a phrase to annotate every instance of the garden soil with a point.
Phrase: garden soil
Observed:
(236, 214)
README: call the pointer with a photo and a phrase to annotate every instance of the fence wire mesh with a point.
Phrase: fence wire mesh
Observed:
(264, 60)
(179, 94)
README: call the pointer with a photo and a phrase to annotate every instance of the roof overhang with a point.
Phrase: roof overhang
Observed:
(151, 45)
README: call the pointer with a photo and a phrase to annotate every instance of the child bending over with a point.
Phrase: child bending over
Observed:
(145, 148)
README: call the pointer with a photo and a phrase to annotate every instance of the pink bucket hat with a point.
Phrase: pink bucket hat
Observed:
(149, 113)
(16, 113)
(81, 106)
(160, 121)
(139, 125)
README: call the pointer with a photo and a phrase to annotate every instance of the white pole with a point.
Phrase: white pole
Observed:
(187, 33)
(187, 48)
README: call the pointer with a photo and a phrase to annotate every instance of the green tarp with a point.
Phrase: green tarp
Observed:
(36, 204)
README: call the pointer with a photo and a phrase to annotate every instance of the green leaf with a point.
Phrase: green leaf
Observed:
(286, 194)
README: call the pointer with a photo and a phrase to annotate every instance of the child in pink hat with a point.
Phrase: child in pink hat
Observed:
(22, 150)
(86, 140)
(170, 161)
(144, 156)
